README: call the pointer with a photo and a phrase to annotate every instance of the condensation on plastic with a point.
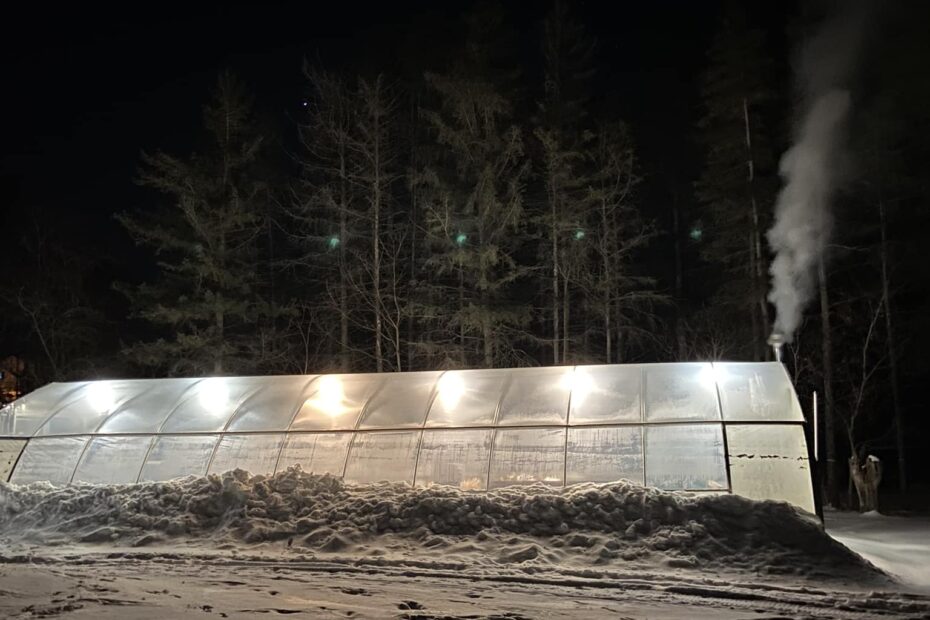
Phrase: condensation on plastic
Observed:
(210, 403)
(454, 457)
(528, 455)
(146, 411)
(26, 415)
(334, 402)
(49, 459)
(318, 453)
(256, 454)
(770, 462)
(685, 457)
(756, 392)
(466, 398)
(681, 392)
(380, 456)
(10, 449)
(176, 456)
(401, 402)
(273, 406)
(92, 405)
(112, 460)
(605, 454)
(606, 394)
(536, 396)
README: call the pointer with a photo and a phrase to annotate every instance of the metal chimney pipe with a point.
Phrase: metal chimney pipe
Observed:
(776, 341)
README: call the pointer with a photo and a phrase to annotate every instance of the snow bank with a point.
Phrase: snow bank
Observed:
(600, 524)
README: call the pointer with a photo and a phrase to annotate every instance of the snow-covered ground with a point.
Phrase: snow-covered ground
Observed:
(242, 546)
(897, 545)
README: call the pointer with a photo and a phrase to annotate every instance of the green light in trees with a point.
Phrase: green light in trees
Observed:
(333, 242)
(696, 233)
(460, 239)
(579, 234)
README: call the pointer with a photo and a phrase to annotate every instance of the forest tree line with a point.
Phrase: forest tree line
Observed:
(474, 217)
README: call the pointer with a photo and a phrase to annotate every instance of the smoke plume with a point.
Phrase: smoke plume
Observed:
(814, 167)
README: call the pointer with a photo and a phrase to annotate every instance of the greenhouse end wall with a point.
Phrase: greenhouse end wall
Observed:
(702, 427)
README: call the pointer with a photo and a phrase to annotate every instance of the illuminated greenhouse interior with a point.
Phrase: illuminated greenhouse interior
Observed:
(701, 427)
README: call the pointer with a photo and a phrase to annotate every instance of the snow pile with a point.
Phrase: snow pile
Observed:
(595, 524)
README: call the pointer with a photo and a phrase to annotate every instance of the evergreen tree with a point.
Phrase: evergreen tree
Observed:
(473, 206)
(738, 182)
(568, 69)
(206, 304)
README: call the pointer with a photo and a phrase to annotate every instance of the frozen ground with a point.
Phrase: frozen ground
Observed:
(897, 545)
(297, 544)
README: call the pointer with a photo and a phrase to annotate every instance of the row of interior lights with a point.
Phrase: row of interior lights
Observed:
(329, 397)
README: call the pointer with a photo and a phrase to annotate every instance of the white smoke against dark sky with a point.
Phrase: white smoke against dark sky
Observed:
(815, 165)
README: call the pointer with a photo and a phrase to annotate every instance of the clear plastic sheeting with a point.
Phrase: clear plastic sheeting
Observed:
(146, 411)
(210, 403)
(112, 460)
(256, 454)
(658, 424)
(528, 455)
(10, 449)
(319, 453)
(457, 458)
(680, 392)
(466, 398)
(606, 394)
(770, 462)
(176, 456)
(273, 406)
(24, 416)
(537, 396)
(605, 454)
(686, 457)
(402, 401)
(334, 402)
(378, 456)
(49, 459)
(756, 391)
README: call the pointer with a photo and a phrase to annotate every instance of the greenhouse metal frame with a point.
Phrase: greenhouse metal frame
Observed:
(699, 427)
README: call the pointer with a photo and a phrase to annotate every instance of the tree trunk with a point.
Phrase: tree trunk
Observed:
(343, 267)
(679, 295)
(376, 235)
(758, 298)
(555, 278)
(565, 304)
(892, 353)
(829, 421)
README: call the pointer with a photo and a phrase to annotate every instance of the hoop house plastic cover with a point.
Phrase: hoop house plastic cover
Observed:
(721, 427)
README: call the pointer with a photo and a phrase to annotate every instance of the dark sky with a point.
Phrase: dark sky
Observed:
(87, 88)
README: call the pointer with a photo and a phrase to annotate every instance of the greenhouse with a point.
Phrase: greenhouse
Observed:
(701, 427)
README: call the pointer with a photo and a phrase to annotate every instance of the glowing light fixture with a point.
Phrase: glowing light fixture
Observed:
(213, 394)
(450, 388)
(101, 396)
(579, 382)
(329, 398)
(711, 375)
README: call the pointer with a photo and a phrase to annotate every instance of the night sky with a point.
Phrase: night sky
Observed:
(87, 88)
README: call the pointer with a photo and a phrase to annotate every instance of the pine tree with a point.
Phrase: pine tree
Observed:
(473, 205)
(206, 303)
(618, 301)
(738, 181)
(568, 69)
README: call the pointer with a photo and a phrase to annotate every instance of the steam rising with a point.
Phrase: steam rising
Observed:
(812, 168)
